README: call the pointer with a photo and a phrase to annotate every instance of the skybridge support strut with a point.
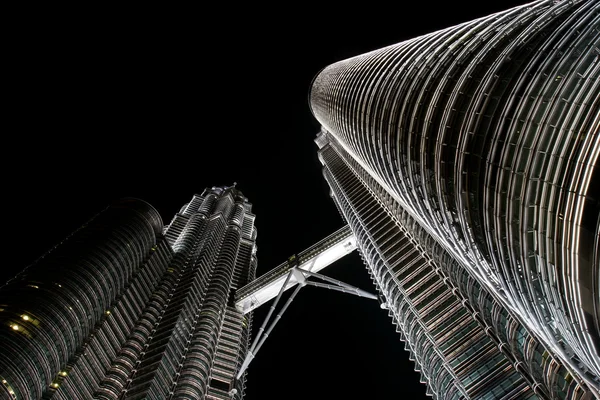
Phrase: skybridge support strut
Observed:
(301, 277)
(338, 285)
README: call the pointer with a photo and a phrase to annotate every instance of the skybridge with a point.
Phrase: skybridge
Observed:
(310, 261)
(296, 272)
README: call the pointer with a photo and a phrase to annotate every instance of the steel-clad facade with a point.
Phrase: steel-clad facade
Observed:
(479, 144)
(125, 308)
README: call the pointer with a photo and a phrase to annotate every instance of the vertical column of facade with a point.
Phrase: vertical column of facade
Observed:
(195, 374)
(108, 355)
(234, 337)
(49, 310)
(139, 345)
(185, 283)
(455, 356)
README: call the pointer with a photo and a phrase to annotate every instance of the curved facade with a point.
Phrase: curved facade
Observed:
(463, 341)
(486, 135)
(128, 309)
(451, 350)
(50, 309)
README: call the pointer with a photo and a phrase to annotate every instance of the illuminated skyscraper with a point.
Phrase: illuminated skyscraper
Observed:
(125, 308)
(465, 162)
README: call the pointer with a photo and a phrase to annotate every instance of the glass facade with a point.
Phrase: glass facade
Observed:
(481, 141)
(128, 309)
(451, 350)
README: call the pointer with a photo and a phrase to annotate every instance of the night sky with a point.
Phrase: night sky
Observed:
(159, 104)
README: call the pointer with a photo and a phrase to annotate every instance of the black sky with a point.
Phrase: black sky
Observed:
(159, 104)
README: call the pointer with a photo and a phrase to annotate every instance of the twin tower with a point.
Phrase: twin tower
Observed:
(464, 162)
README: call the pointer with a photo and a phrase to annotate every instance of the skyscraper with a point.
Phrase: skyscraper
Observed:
(464, 327)
(125, 308)
(465, 162)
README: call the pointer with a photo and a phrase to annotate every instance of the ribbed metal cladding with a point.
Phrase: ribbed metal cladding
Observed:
(174, 303)
(196, 367)
(487, 135)
(199, 340)
(544, 372)
(127, 309)
(455, 356)
(105, 361)
(49, 310)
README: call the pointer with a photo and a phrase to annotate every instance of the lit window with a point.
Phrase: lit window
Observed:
(25, 317)
(15, 327)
